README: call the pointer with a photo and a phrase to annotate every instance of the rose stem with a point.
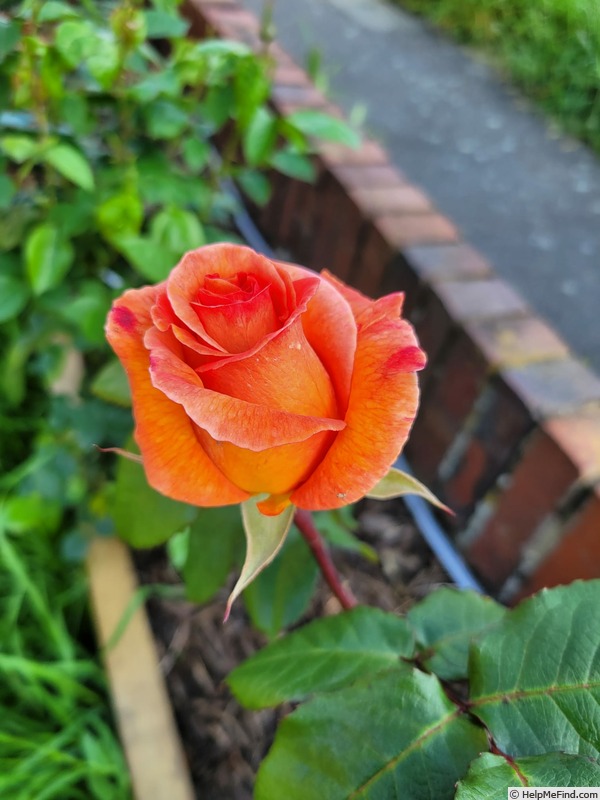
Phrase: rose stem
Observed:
(314, 540)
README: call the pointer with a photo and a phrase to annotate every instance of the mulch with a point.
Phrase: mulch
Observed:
(225, 743)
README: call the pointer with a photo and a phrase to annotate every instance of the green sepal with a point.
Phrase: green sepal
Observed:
(264, 539)
(397, 484)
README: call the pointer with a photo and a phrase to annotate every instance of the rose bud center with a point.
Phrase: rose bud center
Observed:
(237, 311)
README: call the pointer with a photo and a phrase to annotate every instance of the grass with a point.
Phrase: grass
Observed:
(551, 48)
(56, 735)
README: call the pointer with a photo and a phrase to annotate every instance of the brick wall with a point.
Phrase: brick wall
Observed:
(509, 428)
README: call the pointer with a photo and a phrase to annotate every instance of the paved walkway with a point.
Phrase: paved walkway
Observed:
(526, 198)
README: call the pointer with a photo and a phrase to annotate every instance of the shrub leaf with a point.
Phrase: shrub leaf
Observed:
(323, 655)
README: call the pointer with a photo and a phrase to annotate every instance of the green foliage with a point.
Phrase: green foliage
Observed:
(108, 175)
(143, 517)
(56, 738)
(215, 542)
(490, 775)
(281, 594)
(325, 655)
(111, 384)
(551, 48)
(380, 718)
(210, 548)
(444, 625)
(395, 734)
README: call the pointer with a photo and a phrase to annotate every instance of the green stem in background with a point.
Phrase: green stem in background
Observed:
(305, 524)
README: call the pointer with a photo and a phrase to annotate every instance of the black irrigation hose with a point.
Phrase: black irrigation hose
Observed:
(430, 529)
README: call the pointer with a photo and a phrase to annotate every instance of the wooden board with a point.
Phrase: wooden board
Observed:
(142, 708)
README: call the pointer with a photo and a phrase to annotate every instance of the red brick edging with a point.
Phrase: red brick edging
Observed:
(509, 428)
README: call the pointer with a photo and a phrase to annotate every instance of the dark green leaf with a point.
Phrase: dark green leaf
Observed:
(311, 122)
(324, 655)
(88, 311)
(10, 33)
(13, 224)
(260, 137)
(143, 517)
(251, 89)
(48, 258)
(337, 526)
(223, 47)
(446, 623)
(176, 231)
(120, 215)
(217, 107)
(163, 83)
(146, 256)
(53, 10)
(74, 217)
(395, 735)
(30, 513)
(535, 678)
(294, 165)
(74, 109)
(111, 384)
(74, 40)
(103, 61)
(165, 120)
(161, 184)
(52, 75)
(7, 191)
(255, 185)
(196, 153)
(215, 545)
(19, 147)
(72, 164)
(281, 594)
(489, 776)
(165, 25)
(14, 295)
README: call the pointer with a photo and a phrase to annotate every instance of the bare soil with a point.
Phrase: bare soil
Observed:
(225, 743)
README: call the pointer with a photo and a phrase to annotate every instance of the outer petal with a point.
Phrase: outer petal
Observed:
(330, 328)
(276, 470)
(383, 404)
(285, 374)
(226, 419)
(174, 460)
(357, 301)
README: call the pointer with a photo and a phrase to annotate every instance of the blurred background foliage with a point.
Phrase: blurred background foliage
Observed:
(550, 47)
(108, 174)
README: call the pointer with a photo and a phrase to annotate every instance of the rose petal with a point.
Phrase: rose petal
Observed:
(330, 328)
(357, 301)
(382, 407)
(276, 470)
(174, 460)
(240, 325)
(226, 260)
(249, 425)
(285, 374)
(303, 291)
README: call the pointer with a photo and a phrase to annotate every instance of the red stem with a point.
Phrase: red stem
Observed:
(314, 540)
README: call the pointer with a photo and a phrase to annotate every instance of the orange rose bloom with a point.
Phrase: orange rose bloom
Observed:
(252, 376)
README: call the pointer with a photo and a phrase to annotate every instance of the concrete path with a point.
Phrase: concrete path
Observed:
(526, 198)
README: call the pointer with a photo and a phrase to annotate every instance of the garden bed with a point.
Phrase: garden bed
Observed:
(223, 742)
